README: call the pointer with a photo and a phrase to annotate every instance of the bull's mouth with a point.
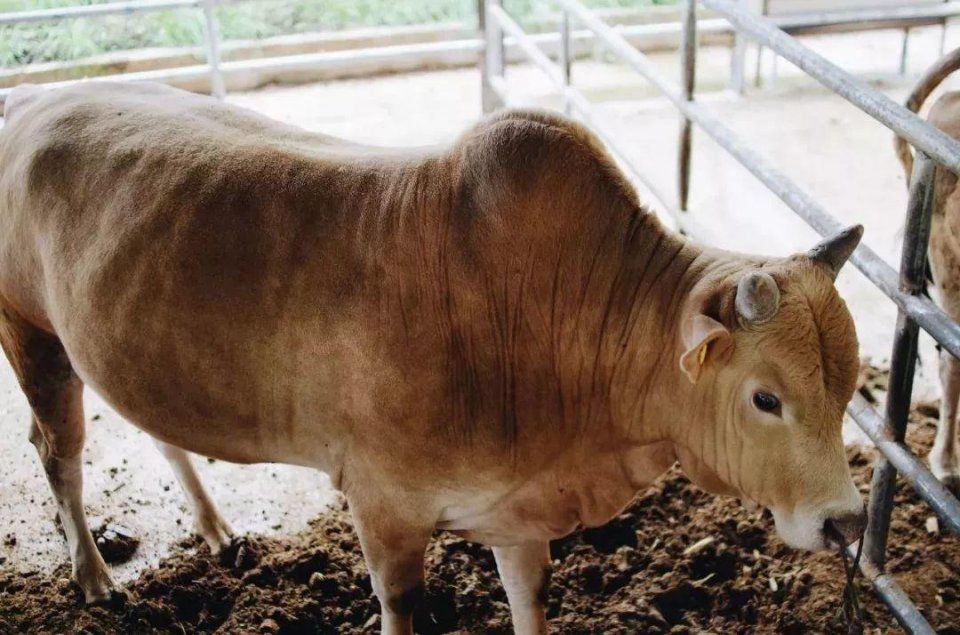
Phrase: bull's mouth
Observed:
(818, 529)
(833, 540)
(803, 530)
(844, 530)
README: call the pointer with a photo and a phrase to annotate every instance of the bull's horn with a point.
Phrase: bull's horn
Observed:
(758, 298)
(832, 252)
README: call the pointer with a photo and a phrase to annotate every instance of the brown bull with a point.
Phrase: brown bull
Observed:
(494, 338)
(943, 259)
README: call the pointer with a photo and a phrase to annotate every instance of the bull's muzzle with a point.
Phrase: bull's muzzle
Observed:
(845, 528)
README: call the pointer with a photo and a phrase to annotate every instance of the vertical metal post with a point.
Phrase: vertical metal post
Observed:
(758, 69)
(565, 55)
(212, 42)
(492, 56)
(763, 9)
(689, 60)
(904, 51)
(482, 57)
(903, 360)
(943, 33)
(738, 63)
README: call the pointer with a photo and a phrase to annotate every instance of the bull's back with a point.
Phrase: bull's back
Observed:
(195, 260)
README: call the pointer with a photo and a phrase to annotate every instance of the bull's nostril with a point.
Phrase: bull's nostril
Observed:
(846, 528)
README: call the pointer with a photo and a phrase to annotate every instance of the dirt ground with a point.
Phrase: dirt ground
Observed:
(678, 561)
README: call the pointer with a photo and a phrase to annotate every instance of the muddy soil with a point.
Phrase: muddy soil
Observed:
(678, 560)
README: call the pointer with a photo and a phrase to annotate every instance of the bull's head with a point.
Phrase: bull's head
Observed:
(772, 352)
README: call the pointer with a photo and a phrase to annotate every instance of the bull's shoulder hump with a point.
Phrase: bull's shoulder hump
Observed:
(538, 148)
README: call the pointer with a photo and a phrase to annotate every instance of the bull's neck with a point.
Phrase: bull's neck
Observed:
(648, 393)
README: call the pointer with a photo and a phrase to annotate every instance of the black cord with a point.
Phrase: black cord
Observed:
(852, 613)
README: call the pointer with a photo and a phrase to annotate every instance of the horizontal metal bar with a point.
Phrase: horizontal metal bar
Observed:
(525, 42)
(936, 143)
(906, 612)
(924, 311)
(86, 11)
(944, 504)
(289, 63)
(581, 37)
(616, 44)
(801, 20)
(371, 55)
(164, 75)
(578, 101)
(888, 14)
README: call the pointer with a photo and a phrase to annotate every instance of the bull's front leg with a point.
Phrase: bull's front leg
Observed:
(393, 535)
(525, 572)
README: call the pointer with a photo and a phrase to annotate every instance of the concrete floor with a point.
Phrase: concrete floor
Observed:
(843, 157)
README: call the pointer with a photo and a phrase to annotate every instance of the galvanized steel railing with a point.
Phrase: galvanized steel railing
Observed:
(211, 35)
(215, 69)
(903, 288)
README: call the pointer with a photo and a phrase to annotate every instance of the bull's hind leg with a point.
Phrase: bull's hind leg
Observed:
(944, 460)
(55, 394)
(207, 521)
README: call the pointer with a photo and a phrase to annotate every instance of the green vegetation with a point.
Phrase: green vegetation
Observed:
(239, 19)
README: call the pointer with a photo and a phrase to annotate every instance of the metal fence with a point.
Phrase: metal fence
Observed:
(933, 148)
(211, 35)
(876, 14)
(426, 54)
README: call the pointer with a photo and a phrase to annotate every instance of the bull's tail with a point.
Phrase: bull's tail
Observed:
(927, 84)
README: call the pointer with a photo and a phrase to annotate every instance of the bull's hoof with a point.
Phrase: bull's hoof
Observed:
(216, 533)
(112, 598)
(240, 554)
(91, 575)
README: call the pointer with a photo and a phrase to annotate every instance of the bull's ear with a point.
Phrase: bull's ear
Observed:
(705, 342)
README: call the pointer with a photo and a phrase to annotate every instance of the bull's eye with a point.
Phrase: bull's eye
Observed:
(766, 402)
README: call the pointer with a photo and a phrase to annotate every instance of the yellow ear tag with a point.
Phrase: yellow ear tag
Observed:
(702, 355)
